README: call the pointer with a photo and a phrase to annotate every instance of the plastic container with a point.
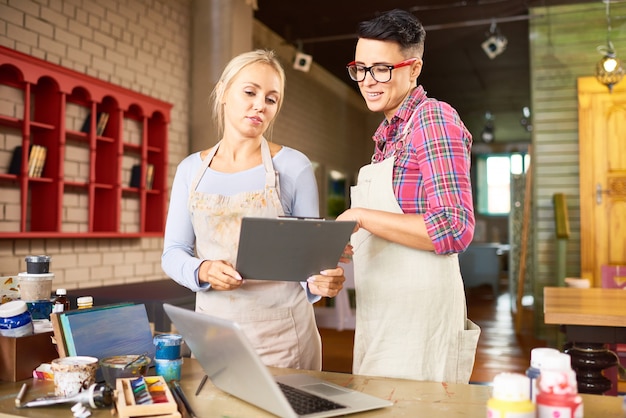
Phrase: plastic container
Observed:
(37, 264)
(61, 302)
(537, 361)
(34, 287)
(40, 309)
(167, 346)
(557, 394)
(511, 397)
(15, 320)
(84, 302)
(168, 369)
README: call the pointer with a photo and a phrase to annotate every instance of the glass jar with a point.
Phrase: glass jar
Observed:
(61, 302)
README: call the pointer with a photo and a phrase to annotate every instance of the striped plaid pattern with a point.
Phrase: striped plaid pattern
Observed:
(431, 169)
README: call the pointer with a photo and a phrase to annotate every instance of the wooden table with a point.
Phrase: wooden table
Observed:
(592, 318)
(411, 398)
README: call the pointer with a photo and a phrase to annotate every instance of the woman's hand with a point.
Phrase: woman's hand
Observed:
(346, 256)
(220, 274)
(327, 283)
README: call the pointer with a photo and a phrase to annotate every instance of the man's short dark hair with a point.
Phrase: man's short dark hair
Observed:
(398, 26)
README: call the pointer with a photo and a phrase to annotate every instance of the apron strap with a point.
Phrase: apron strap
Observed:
(271, 175)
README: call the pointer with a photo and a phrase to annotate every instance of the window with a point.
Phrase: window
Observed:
(493, 181)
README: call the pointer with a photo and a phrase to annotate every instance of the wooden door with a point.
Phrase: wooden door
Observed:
(602, 165)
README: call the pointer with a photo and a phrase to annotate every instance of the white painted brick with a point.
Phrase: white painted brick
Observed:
(94, 8)
(78, 56)
(56, 5)
(58, 20)
(126, 49)
(82, 17)
(116, 31)
(116, 19)
(102, 65)
(89, 260)
(92, 48)
(104, 39)
(80, 29)
(52, 47)
(11, 15)
(101, 272)
(78, 275)
(26, 6)
(122, 270)
(70, 39)
(113, 257)
(20, 34)
(105, 28)
(115, 57)
(63, 261)
(38, 26)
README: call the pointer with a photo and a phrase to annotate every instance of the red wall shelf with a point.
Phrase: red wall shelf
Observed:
(84, 188)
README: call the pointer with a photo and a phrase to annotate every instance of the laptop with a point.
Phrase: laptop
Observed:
(233, 366)
(290, 249)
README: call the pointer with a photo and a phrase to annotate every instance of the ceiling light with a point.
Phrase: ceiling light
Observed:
(609, 70)
(488, 133)
(302, 62)
(495, 44)
(525, 120)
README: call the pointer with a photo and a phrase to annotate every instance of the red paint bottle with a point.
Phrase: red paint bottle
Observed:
(558, 391)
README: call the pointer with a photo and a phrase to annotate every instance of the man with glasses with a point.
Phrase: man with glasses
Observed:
(413, 207)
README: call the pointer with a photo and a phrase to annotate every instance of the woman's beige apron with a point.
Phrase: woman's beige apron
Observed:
(411, 316)
(276, 316)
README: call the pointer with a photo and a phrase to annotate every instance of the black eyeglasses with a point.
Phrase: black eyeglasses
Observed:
(379, 72)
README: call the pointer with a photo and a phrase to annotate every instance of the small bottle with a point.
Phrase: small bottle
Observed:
(511, 397)
(557, 389)
(84, 302)
(61, 302)
(537, 361)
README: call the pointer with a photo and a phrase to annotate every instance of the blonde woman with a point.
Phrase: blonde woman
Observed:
(245, 175)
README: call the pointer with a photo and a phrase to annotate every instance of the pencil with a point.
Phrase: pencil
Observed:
(183, 398)
(201, 385)
(20, 395)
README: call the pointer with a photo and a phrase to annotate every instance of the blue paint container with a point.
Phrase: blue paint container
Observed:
(15, 320)
(40, 309)
(167, 346)
(168, 369)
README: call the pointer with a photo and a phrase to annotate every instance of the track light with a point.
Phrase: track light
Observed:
(488, 134)
(495, 44)
(302, 62)
(609, 70)
(525, 120)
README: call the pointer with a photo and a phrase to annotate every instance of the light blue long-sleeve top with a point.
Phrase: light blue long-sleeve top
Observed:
(298, 196)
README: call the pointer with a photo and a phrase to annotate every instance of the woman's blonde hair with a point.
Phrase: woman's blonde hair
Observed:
(259, 56)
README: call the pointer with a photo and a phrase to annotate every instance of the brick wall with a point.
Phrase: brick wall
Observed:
(142, 45)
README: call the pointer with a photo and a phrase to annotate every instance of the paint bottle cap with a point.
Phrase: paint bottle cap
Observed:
(511, 387)
(539, 355)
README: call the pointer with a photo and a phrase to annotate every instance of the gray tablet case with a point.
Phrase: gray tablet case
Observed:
(290, 249)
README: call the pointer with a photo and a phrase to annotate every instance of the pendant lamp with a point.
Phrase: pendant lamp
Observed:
(609, 70)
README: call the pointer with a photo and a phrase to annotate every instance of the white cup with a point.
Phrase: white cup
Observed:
(73, 374)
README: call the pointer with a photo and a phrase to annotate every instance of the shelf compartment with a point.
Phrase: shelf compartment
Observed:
(83, 189)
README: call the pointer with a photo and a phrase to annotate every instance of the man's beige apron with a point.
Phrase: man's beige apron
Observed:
(276, 316)
(411, 316)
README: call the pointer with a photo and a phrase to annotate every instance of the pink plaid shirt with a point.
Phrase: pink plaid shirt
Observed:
(431, 173)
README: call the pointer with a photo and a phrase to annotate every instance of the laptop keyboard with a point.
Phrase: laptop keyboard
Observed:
(306, 403)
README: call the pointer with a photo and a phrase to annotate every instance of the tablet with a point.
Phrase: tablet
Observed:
(290, 249)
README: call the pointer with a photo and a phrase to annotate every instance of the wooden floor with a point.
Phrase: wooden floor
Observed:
(499, 348)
